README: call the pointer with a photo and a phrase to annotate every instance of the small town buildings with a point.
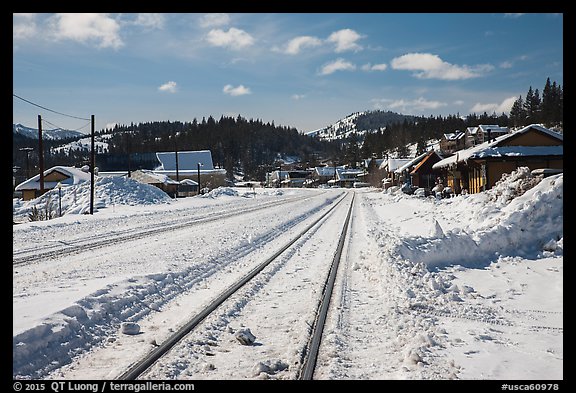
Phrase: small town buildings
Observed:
(323, 174)
(346, 177)
(289, 178)
(454, 141)
(478, 168)
(162, 181)
(388, 168)
(194, 165)
(419, 172)
(63, 175)
(488, 132)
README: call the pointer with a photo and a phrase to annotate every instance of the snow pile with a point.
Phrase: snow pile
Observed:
(221, 191)
(75, 199)
(522, 217)
(527, 226)
(512, 185)
(274, 192)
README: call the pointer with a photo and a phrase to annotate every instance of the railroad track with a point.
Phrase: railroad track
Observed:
(89, 242)
(310, 353)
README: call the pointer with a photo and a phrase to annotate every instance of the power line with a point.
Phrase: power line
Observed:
(57, 126)
(40, 106)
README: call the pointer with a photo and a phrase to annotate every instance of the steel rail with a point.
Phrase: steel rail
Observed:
(136, 369)
(310, 356)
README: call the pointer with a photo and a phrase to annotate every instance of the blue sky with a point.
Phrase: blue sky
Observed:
(299, 70)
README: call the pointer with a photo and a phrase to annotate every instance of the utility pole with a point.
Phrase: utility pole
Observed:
(27, 150)
(128, 148)
(176, 157)
(177, 172)
(41, 154)
(92, 166)
(199, 164)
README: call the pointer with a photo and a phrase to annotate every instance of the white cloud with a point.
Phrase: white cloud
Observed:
(23, 26)
(345, 40)
(240, 90)
(169, 87)
(153, 21)
(297, 97)
(513, 15)
(374, 67)
(506, 64)
(429, 66)
(503, 107)
(406, 106)
(214, 20)
(294, 46)
(84, 28)
(337, 65)
(233, 38)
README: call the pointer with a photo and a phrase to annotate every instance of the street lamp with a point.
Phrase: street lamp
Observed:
(279, 174)
(199, 165)
(59, 186)
(27, 150)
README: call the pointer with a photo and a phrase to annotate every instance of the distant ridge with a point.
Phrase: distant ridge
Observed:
(360, 123)
(53, 134)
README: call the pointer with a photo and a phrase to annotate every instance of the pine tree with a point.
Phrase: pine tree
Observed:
(518, 113)
(532, 106)
(547, 104)
(558, 104)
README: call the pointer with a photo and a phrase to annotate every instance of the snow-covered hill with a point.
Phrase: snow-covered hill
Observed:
(360, 123)
(54, 134)
(85, 143)
(339, 130)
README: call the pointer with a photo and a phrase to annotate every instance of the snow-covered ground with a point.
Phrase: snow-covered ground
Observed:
(469, 287)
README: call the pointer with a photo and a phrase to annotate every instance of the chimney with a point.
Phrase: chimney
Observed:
(489, 131)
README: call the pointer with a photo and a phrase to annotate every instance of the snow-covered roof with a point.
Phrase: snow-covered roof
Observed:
(73, 176)
(187, 160)
(148, 176)
(411, 163)
(493, 148)
(492, 127)
(188, 182)
(391, 164)
(347, 173)
(325, 170)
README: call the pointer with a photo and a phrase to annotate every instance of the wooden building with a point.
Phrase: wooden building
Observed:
(63, 175)
(480, 167)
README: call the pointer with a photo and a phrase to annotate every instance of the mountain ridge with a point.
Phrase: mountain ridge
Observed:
(359, 123)
(51, 134)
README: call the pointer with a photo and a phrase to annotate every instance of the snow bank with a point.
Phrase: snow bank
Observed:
(221, 191)
(515, 218)
(75, 199)
(521, 217)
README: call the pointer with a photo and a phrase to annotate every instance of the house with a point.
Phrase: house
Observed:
(323, 174)
(419, 172)
(346, 177)
(290, 178)
(388, 168)
(473, 136)
(480, 167)
(64, 175)
(489, 131)
(454, 141)
(187, 187)
(162, 181)
(194, 165)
